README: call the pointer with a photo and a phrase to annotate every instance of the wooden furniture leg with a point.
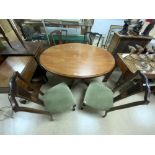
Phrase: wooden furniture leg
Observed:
(107, 76)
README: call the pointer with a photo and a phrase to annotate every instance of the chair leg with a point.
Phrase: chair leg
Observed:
(83, 105)
(105, 114)
(73, 109)
(86, 82)
(107, 76)
(45, 79)
(72, 83)
(31, 110)
(119, 82)
(11, 115)
(51, 117)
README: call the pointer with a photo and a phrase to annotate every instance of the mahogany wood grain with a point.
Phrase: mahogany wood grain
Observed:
(77, 60)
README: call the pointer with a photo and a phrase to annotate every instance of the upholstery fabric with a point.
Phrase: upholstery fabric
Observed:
(98, 96)
(58, 98)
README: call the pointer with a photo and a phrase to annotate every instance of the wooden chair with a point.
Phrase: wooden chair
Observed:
(57, 33)
(89, 37)
(101, 98)
(112, 30)
(56, 99)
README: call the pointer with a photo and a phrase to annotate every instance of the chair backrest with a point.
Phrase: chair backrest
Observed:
(16, 90)
(59, 34)
(89, 37)
(136, 83)
(112, 30)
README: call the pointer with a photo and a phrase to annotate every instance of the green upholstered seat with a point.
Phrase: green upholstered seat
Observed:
(98, 96)
(58, 98)
(69, 38)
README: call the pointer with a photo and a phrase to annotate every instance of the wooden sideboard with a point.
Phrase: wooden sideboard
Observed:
(119, 43)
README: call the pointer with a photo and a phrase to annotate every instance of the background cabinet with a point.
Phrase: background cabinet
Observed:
(119, 43)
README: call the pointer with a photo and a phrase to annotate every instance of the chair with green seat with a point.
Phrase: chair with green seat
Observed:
(89, 38)
(57, 99)
(57, 37)
(101, 98)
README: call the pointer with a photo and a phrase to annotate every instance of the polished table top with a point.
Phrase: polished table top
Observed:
(77, 60)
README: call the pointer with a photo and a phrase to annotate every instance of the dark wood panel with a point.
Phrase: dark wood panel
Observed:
(2, 58)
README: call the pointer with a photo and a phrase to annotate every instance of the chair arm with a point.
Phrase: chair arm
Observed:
(128, 105)
(147, 90)
(146, 87)
(12, 82)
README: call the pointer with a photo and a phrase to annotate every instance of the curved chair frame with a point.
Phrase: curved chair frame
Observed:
(91, 37)
(28, 92)
(59, 33)
(18, 91)
(141, 85)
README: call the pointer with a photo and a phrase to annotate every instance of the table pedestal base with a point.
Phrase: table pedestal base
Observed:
(76, 81)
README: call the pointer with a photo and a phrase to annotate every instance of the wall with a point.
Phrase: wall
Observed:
(102, 25)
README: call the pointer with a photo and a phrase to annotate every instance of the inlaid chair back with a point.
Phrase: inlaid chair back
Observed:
(102, 98)
(59, 35)
(89, 37)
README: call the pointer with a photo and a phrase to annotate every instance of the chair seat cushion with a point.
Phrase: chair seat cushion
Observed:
(58, 98)
(98, 96)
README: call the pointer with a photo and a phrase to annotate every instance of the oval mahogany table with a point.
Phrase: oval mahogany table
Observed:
(76, 60)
